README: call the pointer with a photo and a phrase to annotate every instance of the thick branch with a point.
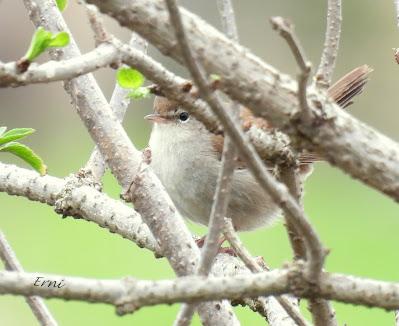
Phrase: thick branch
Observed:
(343, 140)
(85, 202)
(130, 294)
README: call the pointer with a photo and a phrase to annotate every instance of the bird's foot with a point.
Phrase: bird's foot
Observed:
(200, 242)
(222, 250)
(227, 250)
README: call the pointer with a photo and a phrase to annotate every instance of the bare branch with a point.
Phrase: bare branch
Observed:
(322, 311)
(218, 212)
(331, 44)
(37, 305)
(84, 202)
(229, 24)
(239, 248)
(97, 25)
(289, 176)
(333, 133)
(130, 294)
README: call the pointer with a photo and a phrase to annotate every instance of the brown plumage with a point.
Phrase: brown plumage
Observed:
(347, 87)
(342, 92)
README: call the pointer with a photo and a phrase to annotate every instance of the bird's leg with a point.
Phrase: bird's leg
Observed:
(222, 250)
(200, 242)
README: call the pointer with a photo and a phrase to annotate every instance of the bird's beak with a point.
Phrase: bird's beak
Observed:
(157, 118)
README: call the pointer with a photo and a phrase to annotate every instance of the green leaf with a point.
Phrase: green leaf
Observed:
(38, 43)
(59, 40)
(15, 134)
(129, 78)
(139, 93)
(2, 130)
(215, 77)
(25, 153)
(42, 40)
(61, 4)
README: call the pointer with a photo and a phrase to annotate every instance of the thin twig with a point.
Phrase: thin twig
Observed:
(331, 44)
(322, 312)
(218, 212)
(289, 176)
(97, 25)
(36, 304)
(228, 19)
(223, 186)
(397, 11)
(286, 30)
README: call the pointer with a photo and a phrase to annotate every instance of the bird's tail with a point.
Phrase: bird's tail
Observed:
(350, 85)
(343, 92)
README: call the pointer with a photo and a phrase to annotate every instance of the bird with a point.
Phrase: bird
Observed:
(186, 157)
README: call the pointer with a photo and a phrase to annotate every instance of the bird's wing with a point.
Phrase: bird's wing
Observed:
(342, 92)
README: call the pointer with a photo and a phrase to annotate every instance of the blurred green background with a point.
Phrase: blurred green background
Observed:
(358, 224)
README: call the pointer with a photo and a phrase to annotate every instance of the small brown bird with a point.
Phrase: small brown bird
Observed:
(186, 158)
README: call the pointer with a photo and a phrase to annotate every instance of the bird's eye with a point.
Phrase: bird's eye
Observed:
(183, 117)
